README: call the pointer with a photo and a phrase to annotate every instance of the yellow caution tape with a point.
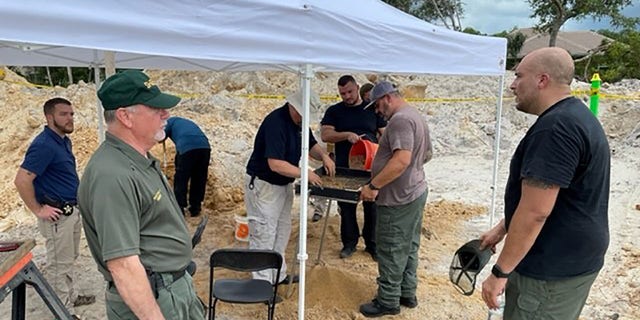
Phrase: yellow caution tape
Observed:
(27, 84)
(337, 98)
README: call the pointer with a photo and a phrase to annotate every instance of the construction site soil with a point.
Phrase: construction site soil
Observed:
(458, 208)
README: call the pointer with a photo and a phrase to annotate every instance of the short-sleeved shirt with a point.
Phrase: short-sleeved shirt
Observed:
(567, 147)
(406, 130)
(186, 135)
(50, 157)
(354, 119)
(128, 209)
(278, 138)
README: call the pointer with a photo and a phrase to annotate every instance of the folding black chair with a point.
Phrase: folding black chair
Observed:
(243, 290)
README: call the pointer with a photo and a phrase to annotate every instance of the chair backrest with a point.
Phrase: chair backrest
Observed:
(240, 259)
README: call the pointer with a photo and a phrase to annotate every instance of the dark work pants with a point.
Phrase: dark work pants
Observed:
(398, 230)
(191, 174)
(349, 231)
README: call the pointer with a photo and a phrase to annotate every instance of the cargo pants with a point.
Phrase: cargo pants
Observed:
(398, 231)
(269, 214)
(62, 241)
(531, 299)
(177, 300)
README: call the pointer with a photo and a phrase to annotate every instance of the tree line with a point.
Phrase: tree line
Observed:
(613, 60)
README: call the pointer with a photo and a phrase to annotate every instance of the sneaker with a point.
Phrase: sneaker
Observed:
(316, 217)
(290, 279)
(347, 252)
(84, 300)
(409, 302)
(374, 309)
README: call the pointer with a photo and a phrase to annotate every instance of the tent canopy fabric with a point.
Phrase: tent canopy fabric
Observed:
(246, 35)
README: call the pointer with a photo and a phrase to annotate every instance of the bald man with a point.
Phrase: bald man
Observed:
(556, 199)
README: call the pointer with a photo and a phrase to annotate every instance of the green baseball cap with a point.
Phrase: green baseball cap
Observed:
(132, 87)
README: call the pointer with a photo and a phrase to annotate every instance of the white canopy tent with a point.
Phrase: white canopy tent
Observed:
(302, 36)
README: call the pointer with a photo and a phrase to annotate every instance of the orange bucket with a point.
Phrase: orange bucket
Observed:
(242, 228)
(361, 154)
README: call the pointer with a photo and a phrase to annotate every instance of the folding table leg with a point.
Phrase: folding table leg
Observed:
(33, 277)
(18, 300)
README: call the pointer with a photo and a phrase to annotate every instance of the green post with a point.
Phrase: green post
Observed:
(595, 94)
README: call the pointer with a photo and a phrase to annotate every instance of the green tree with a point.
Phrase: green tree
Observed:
(404, 5)
(620, 60)
(471, 30)
(443, 12)
(553, 14)
(59, 75)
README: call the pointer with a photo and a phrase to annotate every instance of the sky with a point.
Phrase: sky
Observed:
(493, 16)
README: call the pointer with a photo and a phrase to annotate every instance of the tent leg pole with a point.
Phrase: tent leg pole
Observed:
(304, 185)
(96, 80)
(496, 152)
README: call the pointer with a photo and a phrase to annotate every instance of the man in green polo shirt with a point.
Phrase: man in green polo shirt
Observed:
(134, 226)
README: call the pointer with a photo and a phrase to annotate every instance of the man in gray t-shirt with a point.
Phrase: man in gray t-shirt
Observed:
(399, 188)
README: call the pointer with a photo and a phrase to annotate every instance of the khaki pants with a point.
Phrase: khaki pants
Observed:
(269, 214)
(62, 241)
(532, 299)
(177, 301)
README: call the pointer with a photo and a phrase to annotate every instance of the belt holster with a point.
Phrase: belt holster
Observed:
(156, 282)
(251, 185)
(65, 206)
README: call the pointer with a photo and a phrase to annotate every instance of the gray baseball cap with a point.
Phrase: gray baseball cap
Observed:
(467, 263)
(380, 90)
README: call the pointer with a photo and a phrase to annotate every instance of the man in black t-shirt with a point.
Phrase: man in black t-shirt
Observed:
(344, 124)
(272, 168)
(556, 199)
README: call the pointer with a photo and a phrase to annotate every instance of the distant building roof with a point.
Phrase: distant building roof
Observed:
(578, 43)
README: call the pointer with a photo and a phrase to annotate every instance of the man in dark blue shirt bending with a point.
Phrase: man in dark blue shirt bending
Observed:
(193, 153)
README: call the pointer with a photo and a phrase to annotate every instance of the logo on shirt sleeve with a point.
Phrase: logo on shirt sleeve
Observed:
(158, 195)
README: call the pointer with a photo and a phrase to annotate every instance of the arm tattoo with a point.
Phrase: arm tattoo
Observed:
(537, 183)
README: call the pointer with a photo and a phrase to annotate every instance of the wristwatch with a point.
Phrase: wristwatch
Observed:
(372, 187)
(496, 271)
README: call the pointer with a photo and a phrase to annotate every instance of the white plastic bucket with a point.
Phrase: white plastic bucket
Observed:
(242, 229)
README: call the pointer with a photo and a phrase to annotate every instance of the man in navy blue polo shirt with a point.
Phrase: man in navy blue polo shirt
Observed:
(193, 153)
(344, 124)
(272, 168)
(47, 182)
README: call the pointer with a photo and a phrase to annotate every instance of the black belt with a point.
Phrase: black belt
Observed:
(156, 281)
(65, 206)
